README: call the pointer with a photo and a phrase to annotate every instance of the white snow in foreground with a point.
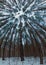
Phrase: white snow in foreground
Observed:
(16, 61)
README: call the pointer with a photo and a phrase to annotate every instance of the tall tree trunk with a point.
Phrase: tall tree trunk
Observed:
(21, 49)
(20, 41)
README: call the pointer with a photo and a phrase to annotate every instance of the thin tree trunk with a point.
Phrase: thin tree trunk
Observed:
(21, 49)
(3, 58)
(14, 50)
(41, 57)
(9, 50)
(20, 41)
(21, 52)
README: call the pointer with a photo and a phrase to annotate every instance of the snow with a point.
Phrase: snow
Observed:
(27, 61)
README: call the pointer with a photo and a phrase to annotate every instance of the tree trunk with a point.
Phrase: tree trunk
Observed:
(3, 53)
(41, 57)
(9, 51)
(21, 52)
(14, 50)
(20, 41)
(41, 60)
(21, 48)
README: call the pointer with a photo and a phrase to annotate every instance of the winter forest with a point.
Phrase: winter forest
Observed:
(22, 32)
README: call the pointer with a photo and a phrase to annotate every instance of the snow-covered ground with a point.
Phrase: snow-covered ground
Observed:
(16, 61)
